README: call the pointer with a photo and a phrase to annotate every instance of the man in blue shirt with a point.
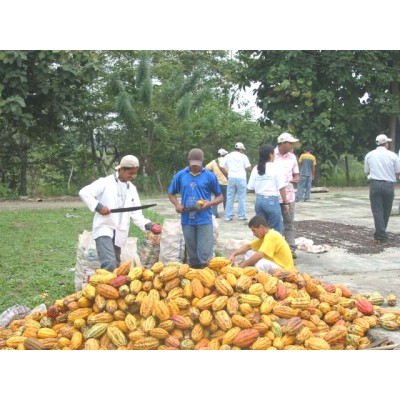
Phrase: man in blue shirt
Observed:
(383, 168)
(195, 183)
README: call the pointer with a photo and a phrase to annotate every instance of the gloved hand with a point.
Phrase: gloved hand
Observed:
(156, 228)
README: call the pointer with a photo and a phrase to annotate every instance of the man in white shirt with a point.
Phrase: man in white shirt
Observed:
(110, 230)
(236, 164)
(287, 162)
(383, 168)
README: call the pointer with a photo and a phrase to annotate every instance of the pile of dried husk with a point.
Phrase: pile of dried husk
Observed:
(172, 306)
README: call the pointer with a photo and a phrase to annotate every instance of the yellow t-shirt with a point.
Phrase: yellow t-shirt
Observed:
(275, 248)
(213, 166)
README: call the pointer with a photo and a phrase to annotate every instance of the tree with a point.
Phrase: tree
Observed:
(40, 91)
(335, 101)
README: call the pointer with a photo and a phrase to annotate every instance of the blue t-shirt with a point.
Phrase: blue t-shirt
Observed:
(193, 188)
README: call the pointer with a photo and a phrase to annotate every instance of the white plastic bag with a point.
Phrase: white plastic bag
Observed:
(172, 243)
(87, 260)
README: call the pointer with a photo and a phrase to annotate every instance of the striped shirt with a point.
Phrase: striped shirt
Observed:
(287, 163)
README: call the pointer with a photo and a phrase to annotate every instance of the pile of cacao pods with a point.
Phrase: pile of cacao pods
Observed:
(221, 307)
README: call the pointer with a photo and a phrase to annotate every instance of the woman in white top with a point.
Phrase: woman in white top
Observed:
(267, 181)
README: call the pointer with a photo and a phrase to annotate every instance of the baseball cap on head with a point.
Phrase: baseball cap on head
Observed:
(381, 139)
(222, 152)
(196, 157)
(287, 137)
(240, 146)
(128, 161)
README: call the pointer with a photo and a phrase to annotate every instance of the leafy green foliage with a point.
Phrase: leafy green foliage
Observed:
(316, 96)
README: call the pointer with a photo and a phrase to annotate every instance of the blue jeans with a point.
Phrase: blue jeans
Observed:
(305, 183)
(381, 195)
(215, 208)
(109, 255)
(270, 209)
(236, 186)
(199, 242)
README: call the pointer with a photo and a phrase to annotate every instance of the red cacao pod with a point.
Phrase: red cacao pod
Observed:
(365, 306)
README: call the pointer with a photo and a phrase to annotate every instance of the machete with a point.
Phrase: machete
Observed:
(191, 209)
(113, 210)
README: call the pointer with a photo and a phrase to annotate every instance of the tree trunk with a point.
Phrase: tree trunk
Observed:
(346, 165)
(23, 155)
(393, 118)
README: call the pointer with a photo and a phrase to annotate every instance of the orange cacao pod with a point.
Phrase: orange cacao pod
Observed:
(107, 291)
(246, 338)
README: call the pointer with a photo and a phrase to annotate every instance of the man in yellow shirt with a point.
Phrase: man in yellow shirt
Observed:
(268, 252)
(307, 164)
(222, 179)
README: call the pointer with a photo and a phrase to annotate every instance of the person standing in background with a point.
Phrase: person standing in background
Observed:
(236, 165)
(307, 164)
(267, 181)
(195, 185)
(110, 230)
(383, 169)
(287, 163)
(214, 166)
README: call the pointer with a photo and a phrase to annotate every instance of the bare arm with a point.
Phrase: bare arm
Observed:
(240, 250)
(224, 171)
(295, 178)
(282, 191)
(174, 200)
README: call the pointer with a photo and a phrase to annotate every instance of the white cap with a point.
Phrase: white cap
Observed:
(240, 146)
(128, 162)
(287, 137)
(222, 152)
(381, 139)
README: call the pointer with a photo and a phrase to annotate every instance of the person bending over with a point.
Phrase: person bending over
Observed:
(268, 252)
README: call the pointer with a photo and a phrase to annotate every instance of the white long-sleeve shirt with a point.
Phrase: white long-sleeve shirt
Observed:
(112, 193)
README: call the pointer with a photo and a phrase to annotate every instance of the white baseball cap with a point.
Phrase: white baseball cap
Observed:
(222, 152)
(381, 139)
(128, 162)
(287, 137)
(240, 146)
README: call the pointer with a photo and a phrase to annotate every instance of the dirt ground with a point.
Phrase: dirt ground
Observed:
(354, 239)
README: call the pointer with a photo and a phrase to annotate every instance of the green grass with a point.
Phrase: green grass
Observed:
(38, 253)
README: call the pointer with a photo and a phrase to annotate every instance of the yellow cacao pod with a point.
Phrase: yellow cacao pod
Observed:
(206, 277)
(316, 343)
(116, 336)
(161, 310)
(205, 317)
(197, 288)
(220, 303)
(243, 283)
(240, 321)
(223, 320)
(223, 286)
